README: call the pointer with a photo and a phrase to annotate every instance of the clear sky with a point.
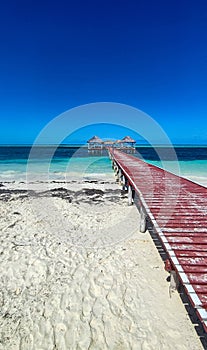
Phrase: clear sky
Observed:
(149, 54)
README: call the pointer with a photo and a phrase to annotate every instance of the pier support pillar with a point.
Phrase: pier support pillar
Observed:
(143, 221)
(120, 176)
(129, 195)
(116, 173)
(114, 166)
(174, 282)
(124, 183)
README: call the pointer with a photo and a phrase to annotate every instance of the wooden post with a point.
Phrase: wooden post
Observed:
(116, 173)
(124, 183)
(143, 221)
(129, 195)
(174, 282)
(119, 175)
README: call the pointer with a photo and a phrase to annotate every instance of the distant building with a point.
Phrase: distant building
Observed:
(127, 142)
(96, 143)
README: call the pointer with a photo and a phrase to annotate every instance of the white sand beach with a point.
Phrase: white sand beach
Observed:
(76, 273)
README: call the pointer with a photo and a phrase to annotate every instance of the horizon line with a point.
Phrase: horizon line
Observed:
(85, 144)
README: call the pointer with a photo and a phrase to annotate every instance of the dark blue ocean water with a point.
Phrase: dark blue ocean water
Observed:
(73, 160)
(17, 153)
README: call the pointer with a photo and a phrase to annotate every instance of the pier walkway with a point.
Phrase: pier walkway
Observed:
(177, 210)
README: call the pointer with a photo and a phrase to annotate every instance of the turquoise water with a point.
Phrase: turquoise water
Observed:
(69, 163)
(73, 167)
(17, 164)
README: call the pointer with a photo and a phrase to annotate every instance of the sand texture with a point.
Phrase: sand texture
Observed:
(76, 273)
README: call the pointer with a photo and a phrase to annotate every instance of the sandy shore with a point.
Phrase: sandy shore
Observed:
(77, 274)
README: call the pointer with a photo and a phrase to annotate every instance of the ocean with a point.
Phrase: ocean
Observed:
(70, 162)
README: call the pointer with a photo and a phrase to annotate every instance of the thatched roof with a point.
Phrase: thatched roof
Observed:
(95, 139)
(109, 142)
(127, 139)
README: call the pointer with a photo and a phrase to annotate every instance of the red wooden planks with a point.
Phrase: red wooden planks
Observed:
(190, 240)
(195, 268)
(202, 261)
(179, 207)
(198, 278)
(191, 254)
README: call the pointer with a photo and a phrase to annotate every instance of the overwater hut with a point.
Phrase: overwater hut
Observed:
(127, 142)
(95, 143)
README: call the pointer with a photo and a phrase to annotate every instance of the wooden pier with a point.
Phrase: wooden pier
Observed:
(176, 208)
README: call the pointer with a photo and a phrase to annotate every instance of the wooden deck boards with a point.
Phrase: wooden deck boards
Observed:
(177, 209)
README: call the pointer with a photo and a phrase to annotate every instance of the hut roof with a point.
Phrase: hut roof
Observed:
(95, 139)
(128, 139)
(109, 142)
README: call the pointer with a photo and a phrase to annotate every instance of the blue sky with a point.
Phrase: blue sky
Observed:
(56, 55)
(112, 131)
